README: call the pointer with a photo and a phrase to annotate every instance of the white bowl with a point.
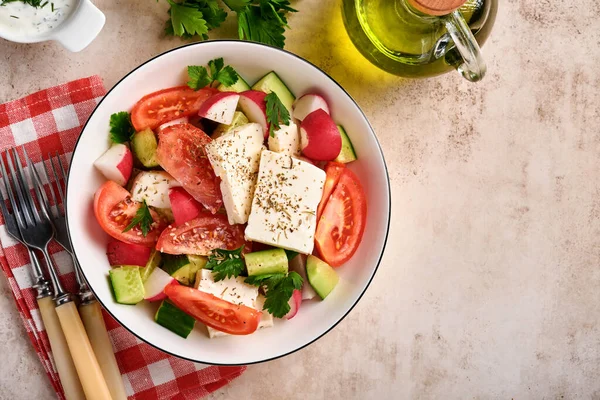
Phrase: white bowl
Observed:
(315, 318)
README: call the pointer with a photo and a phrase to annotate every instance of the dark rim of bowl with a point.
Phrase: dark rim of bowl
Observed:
(386, 175)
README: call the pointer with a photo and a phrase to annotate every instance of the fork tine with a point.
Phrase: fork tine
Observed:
(56, 208)
(38, 185)
(63, 172)
(6, 189)
(25, 186)
(19, 207)
(56, 177)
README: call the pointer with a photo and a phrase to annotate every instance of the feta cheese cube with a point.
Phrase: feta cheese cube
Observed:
(285, 202)
(286, 140)
(235, 158)
(153, 186)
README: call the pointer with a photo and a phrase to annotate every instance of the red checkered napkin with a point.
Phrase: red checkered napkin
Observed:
(50, 121)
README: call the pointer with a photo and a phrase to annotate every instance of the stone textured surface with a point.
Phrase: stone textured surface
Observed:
(490, 286)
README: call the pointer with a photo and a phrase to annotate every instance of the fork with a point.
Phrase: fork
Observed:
(89, 309)
(58, 344)
(37, 231)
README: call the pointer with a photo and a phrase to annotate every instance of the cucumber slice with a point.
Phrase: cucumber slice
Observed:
(272, 83)
(240, 86)
(321, 276)
(347, 153)
(151, 264)
(174, 319)
(183, 267)
(127, 284)
(272, 261)
(239, 119)
(144, 147)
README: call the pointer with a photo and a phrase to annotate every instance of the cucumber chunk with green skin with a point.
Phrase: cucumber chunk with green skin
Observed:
(240, 86)
(347, 153)
(239, 119)
(321, 276)
(127, 284)
(183, 267)
(272, 83)
(144, 145)
(151, 265)
(272, 261)
(174, 319)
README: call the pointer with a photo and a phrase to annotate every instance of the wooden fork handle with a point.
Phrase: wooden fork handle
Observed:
(91, 315)
(60, 350)
(86, 364)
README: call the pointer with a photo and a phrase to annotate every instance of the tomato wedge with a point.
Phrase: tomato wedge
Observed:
(334, 171)
(115, 209)
(183, 205)
(342, 224)
(181, 153)
(201, 235)
(166, 105)
(213, 311)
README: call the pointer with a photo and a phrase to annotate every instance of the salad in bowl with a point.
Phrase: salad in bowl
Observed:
(226, 210)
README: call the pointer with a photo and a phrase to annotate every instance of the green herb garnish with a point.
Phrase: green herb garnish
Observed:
(200, 77)
(276, 112)
(143, 218)
(121, 129)
(32, 3)
(258, 20)
(278, 290)
(226, 263)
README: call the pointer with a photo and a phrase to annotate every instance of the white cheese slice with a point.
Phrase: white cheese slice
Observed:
(235, 158)
(153, 186)
(285, 202)
(235, 291)
(286, 140)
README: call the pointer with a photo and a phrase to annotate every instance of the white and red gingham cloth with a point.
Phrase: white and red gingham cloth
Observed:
(50, 121)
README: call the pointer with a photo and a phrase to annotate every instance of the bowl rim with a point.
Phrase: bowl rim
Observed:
(387, 176)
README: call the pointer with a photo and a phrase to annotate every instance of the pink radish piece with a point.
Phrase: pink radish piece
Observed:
(298, 264)
(183, 120)
(320, 138)
(220, 107)
(116, 164)
(156, 283)
(252, 103)
(294, 303)
(307, 104)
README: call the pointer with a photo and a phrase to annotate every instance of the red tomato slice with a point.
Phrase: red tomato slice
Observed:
(115, 209)
(334, 171)
(181, 153)
(184, 206)
(213, 311)
(166, 105)
(340, 228)
(201, 235)
(121, 253)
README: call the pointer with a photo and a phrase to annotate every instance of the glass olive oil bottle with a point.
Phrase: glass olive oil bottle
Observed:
(397, 37)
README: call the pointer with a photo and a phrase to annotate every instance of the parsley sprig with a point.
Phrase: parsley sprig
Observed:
(226, 263)
(276, 112)
(258, 20)
(200, 77)
(121, 129)
(278, 290)
(142, 218)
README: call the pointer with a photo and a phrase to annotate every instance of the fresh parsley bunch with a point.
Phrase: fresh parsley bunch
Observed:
(258, 20)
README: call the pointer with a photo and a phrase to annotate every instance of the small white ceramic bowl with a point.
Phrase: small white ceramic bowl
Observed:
(315, 318)
(75, 33)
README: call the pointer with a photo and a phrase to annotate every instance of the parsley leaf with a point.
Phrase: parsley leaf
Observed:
(226, 263)
(200, 77)
(237, 5)
(121, 128)
(276, 112)
(278, 290)
(143, 218)
(187, 20)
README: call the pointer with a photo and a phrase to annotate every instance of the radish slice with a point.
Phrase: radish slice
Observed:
(156, 283)
(116, 164)
(320, 138)
(252, 104)
(298, 264)
(307, 104)
(183, 120)
(294, 303)
(220, 107)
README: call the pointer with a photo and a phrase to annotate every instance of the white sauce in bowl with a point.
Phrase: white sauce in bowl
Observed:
(20, 19)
